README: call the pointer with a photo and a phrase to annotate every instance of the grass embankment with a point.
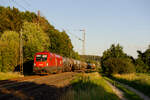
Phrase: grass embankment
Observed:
(9, 75)
(127, 93)
(138, 81)
(89, 86)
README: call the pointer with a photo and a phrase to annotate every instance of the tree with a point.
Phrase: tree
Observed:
(114, 60)
(114, 51)
(10, 19)
(118, 65)
(9, 52)
(61, 44)
(141, 67)
(143, 61)
(75, 55)
(66, 45)
(34, 39)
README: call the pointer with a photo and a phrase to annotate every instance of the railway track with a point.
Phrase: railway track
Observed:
(30, 89)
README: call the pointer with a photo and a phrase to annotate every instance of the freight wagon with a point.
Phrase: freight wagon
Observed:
(47, 62)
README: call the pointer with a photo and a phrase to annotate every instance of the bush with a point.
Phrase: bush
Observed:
(118, 65)
(141, 67)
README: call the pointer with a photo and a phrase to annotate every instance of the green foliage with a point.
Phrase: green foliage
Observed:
(114, 60)
(130, 95)
(89, 87)
(139, 81)
(61, 44)
(114, 51)
(75, 55)
(10, 51)
(28, 16)
(38, 35)
(10, 19)
(35, 40)
(143, 61)
(91, 61)
(9, 75)
(90, 58)
(118, 65)
(141, 67)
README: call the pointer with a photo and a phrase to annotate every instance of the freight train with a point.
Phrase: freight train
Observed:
(47, 62)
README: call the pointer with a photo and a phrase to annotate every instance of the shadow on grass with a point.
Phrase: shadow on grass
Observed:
(29, 91)
(82, 90)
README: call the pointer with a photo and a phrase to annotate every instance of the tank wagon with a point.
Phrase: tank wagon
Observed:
(47, 62)
(91, 67)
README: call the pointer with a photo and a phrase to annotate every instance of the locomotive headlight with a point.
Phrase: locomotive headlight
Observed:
(34, 64)
(47, 64)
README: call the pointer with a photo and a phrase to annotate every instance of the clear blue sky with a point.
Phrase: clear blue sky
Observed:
(106, 21)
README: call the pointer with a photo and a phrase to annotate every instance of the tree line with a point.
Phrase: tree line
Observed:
(116, 61)
(37, 33)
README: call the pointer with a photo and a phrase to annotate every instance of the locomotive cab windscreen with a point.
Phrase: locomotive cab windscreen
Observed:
(41, 58)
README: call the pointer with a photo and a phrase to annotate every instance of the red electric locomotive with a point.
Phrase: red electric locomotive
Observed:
(46, 62)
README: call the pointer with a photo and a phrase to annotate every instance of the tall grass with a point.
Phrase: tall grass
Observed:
(127, 93)
(89, 87)
(138, 81)
(9, 75)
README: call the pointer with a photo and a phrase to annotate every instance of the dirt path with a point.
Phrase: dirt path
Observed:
(39, 88)
(118, 92)
(143, 96)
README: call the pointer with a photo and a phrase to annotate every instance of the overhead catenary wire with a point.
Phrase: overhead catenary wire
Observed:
(2, 2)
(14, 1)
(25, 1)
(29, 6)
(74, 35)
(77, 37)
